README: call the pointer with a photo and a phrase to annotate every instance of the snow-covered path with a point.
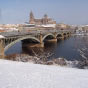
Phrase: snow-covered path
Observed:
(28, 75)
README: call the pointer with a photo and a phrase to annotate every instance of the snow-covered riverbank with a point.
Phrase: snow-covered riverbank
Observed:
(29, 75)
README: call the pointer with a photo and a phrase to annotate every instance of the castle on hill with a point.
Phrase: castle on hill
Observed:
(43, 21)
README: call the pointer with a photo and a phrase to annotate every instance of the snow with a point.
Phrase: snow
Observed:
(29, 75)
(2, 36)
(48, 25)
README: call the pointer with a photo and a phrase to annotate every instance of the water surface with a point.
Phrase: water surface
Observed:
(70, 48)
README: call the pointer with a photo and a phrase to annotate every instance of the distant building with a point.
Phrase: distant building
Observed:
(85, 28)
(45, 20)
(63, 26)
(8, 27)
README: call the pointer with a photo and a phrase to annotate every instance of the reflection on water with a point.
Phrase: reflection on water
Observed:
(71, 48)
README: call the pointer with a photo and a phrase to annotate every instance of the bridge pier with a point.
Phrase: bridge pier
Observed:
(55, 37)
(2, 48)
(52, 40)
(69, 34)
(41, 44)
(60, 38)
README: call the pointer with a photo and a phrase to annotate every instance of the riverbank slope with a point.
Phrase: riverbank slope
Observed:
(28, 75)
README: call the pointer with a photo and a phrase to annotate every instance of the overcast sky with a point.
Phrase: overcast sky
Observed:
(63, 11)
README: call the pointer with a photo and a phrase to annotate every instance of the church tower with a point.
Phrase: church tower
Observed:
(45, 19)
(32, 19)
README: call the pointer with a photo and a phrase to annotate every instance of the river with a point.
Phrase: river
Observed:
(72, 48)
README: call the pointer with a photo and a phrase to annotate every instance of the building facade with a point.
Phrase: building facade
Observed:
(43, 21)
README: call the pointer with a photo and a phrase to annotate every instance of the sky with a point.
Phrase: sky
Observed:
(63, 11)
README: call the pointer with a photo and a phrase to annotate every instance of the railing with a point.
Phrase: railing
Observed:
(34, 32)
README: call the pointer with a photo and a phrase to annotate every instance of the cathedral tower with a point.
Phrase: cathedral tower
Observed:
(32, 20)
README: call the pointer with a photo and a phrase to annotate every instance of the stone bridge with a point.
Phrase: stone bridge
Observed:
(8, 39)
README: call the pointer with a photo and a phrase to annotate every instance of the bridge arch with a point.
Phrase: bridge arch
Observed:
(59, 35)
(20, 39)
(68, 33)
(64, 34)
(48, 35)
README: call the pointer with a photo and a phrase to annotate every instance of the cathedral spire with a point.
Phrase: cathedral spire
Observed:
(31, 21)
